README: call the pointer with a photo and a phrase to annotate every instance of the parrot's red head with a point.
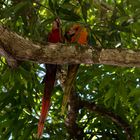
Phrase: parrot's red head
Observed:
(55, 35)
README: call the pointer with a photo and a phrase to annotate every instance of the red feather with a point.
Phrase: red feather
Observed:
(49, 84)
(54, 37)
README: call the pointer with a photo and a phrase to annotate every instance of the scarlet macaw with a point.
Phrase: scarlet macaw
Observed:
(54, 36)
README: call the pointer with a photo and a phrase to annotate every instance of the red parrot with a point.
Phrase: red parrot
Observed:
(54, 36)
(76, 34)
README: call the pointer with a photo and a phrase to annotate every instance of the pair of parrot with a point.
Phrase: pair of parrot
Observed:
(76, 34)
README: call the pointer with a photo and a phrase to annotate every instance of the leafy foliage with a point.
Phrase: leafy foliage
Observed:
(112, 24)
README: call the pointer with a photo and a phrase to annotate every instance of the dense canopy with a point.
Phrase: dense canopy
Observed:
(105, 102)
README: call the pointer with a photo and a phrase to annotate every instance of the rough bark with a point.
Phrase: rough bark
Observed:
(75, 131)
(23, 49)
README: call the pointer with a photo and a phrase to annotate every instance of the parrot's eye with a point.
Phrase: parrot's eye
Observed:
(76, 29)
(57, 20)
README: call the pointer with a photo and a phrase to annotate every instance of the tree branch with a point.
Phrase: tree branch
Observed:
(74, 130)
(10, 60)
(23, 49)
(114, 117)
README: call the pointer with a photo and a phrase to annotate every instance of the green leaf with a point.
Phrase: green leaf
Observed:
(69, 15)
(85, 7)
(66, 1)
(20, 6)
(52, 7)
(108, 96)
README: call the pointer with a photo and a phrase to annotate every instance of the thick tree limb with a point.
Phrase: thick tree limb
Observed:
(75, 103)
(114, 117)
(75, 131)
(23, 49)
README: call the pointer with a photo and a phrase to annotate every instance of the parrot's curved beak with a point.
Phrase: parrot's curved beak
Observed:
(56, 23)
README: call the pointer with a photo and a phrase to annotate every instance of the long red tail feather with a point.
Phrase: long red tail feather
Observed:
(49, 84)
